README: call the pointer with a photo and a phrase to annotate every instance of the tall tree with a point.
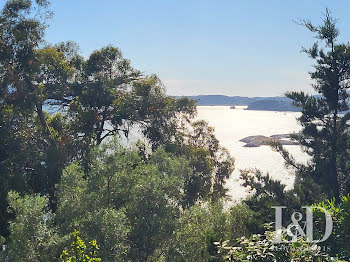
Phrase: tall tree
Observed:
(22, 25)
(211, 163)
(325, 135)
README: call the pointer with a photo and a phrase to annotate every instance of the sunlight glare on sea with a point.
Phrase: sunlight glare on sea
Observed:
(231, 125)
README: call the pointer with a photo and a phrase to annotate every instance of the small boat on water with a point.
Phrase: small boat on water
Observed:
(239, 107)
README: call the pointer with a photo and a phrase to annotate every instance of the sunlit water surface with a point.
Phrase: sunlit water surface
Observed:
(231, 125)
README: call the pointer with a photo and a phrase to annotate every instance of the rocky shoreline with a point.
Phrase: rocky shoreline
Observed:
(256, 141)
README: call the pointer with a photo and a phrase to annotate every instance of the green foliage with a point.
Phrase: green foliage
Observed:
(79, 252)
(201, 225)
(20, 33)
(212, 165)
(340, 237)
(31, 157)
(266, 193)
(160, 117)
(149, 192)
(98, 97)
(128, 203)
(156, 203)
(152, 212)
(33, 237)
(325, 134)
(79, 207)
(110, 229)
(241, 221)
(262, 248)
(197, 229)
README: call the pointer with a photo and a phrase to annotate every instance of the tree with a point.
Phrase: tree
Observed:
(197, 230)
(98, 105)
(160, 117)
(267, 192)
(211, 163)
(32, 150)
(324, 135)
(128, 203)
(81, 206)
(97, 98)
(111, 97)
(20, 33)
(33, 237)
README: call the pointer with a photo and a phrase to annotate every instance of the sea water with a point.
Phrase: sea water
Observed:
(231, 125)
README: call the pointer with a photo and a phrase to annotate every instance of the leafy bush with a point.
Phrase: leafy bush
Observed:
(338, 242)
(79, 252)
(263, 248)
(33, 235)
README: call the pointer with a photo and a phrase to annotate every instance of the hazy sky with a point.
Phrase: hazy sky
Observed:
(230, 47)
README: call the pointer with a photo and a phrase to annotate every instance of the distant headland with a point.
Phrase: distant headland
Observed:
(276, 103)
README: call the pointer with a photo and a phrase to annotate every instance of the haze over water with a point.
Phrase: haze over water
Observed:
(231, 125)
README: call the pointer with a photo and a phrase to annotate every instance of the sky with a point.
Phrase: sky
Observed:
(226, 47)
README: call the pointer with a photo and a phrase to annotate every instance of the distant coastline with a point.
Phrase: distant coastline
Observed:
(276, 103)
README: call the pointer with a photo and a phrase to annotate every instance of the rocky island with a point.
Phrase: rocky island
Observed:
(256, 141)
